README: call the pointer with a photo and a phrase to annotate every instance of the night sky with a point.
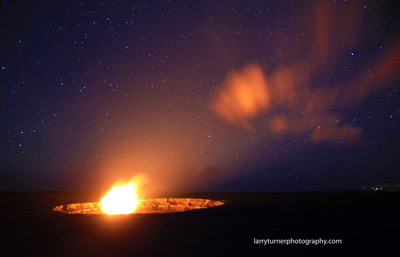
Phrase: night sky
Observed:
(200, 95)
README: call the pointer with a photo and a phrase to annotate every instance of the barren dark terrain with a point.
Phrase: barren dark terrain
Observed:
(367, 223)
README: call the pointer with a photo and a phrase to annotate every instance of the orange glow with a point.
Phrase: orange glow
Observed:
(334, 135)
(291, 98)
(121, 199)
(243, 96)
(156, 205)
(279, 124)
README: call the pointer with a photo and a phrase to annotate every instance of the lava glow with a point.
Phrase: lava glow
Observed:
(121, 199)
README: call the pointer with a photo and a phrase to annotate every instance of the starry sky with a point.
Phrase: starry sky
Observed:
(200, 95)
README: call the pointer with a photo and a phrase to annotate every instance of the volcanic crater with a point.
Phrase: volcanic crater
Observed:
(158, 205)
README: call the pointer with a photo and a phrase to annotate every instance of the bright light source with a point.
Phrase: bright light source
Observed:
(121, 199)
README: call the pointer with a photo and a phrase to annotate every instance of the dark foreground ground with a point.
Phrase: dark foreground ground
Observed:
(367, 222)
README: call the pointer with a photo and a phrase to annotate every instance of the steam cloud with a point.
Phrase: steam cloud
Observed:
(289, 98)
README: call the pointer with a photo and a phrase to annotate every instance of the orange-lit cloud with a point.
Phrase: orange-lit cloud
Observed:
(243, 96)
(385, 70)
(279, 124)
(289, 99)
(336, 135)
(335, 22)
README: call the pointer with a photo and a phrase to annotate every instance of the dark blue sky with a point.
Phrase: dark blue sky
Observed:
(200, 95)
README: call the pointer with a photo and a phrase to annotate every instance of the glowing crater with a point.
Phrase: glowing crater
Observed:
(159, 205)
